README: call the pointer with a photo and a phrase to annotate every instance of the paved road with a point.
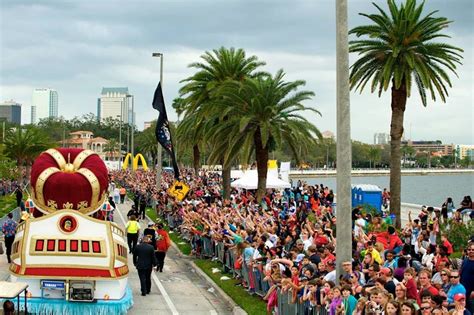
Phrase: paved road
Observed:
(178, 290)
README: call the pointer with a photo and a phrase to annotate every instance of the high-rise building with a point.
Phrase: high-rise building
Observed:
(44, 104)
(381, 138)
(116, 103)
(10, 111)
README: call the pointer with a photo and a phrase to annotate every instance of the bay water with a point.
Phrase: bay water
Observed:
(429, 190)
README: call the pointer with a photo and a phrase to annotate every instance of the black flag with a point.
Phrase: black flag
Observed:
(162, 131)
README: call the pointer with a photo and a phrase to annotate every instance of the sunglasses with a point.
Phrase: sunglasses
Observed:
(425, 308)
(443, 274)
(453, 277)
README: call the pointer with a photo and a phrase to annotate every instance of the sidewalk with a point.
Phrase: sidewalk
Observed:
(4, 273)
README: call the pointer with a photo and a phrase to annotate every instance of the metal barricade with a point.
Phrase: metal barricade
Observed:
(207, 249)
(220, 251)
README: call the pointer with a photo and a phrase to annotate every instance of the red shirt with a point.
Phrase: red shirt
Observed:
(163, 241)
(448, 246)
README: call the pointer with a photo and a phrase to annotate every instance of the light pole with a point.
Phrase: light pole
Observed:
(158, 168)
(120, 137)
(132, 144)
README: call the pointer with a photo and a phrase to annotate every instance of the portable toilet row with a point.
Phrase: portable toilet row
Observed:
(367, 194)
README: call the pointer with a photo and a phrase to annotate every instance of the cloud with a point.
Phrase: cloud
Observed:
(78, 47)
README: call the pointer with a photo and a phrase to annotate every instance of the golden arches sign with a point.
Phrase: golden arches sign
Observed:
(134, 160)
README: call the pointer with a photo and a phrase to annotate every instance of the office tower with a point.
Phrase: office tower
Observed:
(10, 111)
(116, 103)
(381, 138)
(44, 104)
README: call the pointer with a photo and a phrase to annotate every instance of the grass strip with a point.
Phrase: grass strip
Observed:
(7, 204)
(182, 244)
(252, 304)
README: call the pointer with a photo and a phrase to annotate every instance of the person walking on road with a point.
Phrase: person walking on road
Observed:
(163, 242)
(132, 227)
(144, 260)
(9, 231)
(123, 192)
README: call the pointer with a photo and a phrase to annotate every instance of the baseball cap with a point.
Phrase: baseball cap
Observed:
(299, 241)
(386, 271)
(299, 257)
(150, 223)
(459, 297)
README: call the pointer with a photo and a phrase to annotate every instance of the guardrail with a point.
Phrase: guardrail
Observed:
(252, 276)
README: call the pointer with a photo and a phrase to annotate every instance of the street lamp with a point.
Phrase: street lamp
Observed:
(120, 136)
(158, 169)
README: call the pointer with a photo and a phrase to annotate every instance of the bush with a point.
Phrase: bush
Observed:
(458, 233)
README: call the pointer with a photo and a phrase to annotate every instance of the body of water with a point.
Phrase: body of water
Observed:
(427, 190)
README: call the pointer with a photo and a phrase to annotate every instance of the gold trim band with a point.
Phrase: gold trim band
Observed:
(94, 182)
(57, 156)
(81, 158)
(40, 184)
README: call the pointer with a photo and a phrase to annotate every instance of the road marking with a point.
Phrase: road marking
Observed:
(213, 312)
(165, 295)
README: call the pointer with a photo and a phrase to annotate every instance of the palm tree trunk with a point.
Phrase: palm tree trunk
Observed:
(196, 158)
(399, 99)
(261, 155)
(226, 181)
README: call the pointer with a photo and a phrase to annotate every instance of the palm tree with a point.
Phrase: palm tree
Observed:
(375, 153)
(111, 148)
(23, 145)
(398, 50)
(262, 114)
(219, 66)
(146, 143)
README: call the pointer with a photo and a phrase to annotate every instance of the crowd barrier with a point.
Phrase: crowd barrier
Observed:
(253, 276)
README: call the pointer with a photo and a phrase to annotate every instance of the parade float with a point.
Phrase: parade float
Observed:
(73, 260)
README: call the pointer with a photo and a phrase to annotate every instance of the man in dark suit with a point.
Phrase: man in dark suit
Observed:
(144, 260)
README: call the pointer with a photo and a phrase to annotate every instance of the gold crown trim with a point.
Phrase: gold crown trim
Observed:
(57, 156)
(40, 184)
(81, 157)
(94, 182)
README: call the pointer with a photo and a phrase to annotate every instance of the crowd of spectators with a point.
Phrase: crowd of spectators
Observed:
(291, 236)
(7, 186)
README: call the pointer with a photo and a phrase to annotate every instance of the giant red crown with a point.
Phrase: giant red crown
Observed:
(66, 178)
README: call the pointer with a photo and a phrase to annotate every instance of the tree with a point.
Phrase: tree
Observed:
(375, 154)
(218, 66)
(261, 113)
(24, 144)
(397, 50)
(111, 149)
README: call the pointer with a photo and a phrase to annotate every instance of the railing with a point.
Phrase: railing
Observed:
(252, 276)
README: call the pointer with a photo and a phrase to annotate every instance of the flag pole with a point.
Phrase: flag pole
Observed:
(159, 151)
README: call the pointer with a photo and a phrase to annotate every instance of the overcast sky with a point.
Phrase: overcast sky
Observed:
(78, 47)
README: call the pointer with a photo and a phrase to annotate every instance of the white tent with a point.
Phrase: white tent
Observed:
(250, 180)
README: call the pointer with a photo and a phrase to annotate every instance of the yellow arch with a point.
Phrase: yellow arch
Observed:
(128, 158)
(140, 157)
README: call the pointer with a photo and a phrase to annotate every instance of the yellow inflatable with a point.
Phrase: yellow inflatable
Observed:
(134, 160)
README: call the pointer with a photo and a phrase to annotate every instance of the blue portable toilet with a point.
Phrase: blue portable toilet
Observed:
(367, 194)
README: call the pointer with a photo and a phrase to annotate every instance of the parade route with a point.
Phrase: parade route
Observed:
(178, 290)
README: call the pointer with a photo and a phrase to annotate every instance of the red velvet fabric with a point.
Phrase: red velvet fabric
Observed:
(65, 187)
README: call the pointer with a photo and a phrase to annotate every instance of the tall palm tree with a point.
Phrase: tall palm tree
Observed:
(218, 66)
(24, 145)
(396, 50)
(263, 113)
(111, 148)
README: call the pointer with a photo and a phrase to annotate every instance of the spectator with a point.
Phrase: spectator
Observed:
(9, 231)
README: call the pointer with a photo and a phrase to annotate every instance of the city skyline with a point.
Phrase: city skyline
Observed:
(96, 50)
